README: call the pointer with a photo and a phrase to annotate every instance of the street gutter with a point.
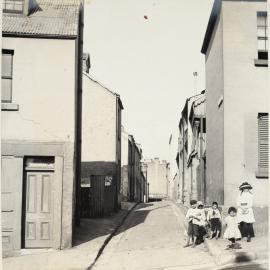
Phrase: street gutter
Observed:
(108, 239)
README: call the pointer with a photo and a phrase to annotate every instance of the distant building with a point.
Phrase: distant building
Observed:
(138, 180)
(41, 122)
(187, 178)
(197, 158)
(144, 173)
(173, 179)
(237, 82)
(157, 177)
(144, 188)
(133, 181)
(101, 149)
(125, 171)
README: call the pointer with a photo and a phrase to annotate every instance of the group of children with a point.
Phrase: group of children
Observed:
(198, 222)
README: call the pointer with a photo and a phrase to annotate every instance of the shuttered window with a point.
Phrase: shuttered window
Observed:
(263, 144)
(262, 35)
(7, 73)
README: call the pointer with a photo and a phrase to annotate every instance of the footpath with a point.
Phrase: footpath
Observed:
(89, 241)
(254, 252)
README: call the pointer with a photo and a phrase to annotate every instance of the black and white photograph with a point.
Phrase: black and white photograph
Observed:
(134, 135)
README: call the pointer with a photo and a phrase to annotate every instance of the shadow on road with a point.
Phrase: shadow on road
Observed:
(245, 267)
(139, 215)
(92, 228)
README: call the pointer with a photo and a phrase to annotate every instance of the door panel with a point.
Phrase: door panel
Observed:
(31, 193)
(45, 194)
(97, 196)
(38, 223)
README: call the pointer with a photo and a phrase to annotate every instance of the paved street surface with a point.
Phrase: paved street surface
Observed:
(89, 238)
(152, 238)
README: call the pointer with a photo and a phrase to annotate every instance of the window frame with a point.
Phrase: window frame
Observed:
(13, 10)
(11, 53)
(262, 61)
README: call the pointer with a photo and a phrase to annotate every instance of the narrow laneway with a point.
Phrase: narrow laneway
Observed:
(152, 238)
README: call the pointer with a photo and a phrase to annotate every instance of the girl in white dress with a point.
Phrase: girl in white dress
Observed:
(245, 212)
(232, 232)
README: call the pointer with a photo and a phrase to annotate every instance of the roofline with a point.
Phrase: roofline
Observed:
(192, 114)
(211, 25)
(136, 145)
(41, 36)
(120, 102)
(213, 18)
(187, 100)
(110, 91)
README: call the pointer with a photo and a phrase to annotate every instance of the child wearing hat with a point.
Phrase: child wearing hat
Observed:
(245, 212)
(190, 216)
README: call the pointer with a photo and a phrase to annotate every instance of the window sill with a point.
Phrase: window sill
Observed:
(260, 63)
(9, 107)
(262, 174)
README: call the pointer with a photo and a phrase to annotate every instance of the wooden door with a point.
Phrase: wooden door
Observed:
(97, 195)
(38, 207)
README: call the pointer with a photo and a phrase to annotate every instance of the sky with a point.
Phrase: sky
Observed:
(147, 51)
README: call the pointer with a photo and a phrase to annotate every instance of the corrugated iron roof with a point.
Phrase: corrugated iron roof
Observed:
(52, 18)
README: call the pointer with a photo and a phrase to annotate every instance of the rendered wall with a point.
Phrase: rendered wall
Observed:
(98, 123)
(46, 96)
(215, 116)
(246, 93)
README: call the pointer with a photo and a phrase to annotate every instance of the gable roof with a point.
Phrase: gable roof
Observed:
(51, 19)
(107, 89)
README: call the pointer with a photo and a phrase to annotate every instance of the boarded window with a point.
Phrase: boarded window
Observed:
(262, 35)
(263, 144)
(7, 66)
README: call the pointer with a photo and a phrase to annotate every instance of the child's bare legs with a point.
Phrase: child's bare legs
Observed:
(217, 234)
(194, 241)
(188, 241)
